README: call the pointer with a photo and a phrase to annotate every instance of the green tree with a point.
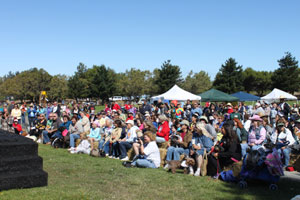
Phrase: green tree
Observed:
(249, 79)
(287, 76)
(229, 79)
(103, 82)
(169, 75)
(197, 83)
(133, 82)
(78, 84)
(58, 87)
(263, 82)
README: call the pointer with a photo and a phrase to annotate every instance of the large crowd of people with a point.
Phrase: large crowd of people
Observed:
(222, 133)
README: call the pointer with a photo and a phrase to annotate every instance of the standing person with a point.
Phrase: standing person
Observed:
(56, 108)
(273, 114)
(16, 113)
(284, 107)
(31, 115)
(23, 116)
(49, 110)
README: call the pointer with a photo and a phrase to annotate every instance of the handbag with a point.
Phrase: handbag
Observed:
(95, 153)
(65, 132)
(203, 169)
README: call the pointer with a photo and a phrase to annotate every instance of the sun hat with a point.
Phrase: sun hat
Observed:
(204, 118)
(15, 120)
(130, 122)
(185, 122)
(257, 104)
(280, 124)
(201, 127)
(255, 118)
(229, 104)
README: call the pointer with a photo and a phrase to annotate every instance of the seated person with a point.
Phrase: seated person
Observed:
(94, 134)
(283, 139)
(75, 129)
(114, 137)
(17, 127)
(105, 136)
(182, 146)
(226, 152)
(163, 130)
(257, 133)
(39, 127)
(200, 144)
(63, 126)
(53, 130)
(149, 152)
(126, 143)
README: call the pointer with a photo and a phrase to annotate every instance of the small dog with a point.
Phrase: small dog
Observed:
(173, 165)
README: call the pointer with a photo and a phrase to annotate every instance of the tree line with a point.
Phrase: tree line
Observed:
(102, 82)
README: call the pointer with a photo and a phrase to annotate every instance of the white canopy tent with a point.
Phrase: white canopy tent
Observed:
(277, 94)
(177, 93)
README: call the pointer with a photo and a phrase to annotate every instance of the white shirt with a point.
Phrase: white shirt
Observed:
(132, 133)
(152, 153)
(286, 135)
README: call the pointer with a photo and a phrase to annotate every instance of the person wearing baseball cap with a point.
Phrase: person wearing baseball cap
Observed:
(283, 138)
(17, 127)
(183, 146)
(126, 143)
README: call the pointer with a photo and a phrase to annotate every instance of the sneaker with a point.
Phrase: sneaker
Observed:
(125, 159)
(71, 149)
(110, 156)
(197, 173)
(72, 152)
(166, 166)
(106, 155)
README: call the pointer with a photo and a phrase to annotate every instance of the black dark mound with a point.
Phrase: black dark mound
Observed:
(20, 165)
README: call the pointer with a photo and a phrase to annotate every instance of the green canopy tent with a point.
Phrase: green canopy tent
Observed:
(217, 96)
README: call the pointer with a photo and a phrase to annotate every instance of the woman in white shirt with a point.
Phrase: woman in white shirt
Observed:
(16, 113)
(150, 152)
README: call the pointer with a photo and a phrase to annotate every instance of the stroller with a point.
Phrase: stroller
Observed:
(263, 166)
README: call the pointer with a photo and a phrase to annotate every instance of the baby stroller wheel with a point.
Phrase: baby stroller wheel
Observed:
(243, 184)
(273, 187)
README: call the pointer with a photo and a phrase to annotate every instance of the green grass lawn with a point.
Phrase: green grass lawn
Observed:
(85, 177)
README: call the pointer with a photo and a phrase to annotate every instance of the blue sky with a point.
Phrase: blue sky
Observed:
(196, 35)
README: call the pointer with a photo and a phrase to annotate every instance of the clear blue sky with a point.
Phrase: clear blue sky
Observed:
(200, 35)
